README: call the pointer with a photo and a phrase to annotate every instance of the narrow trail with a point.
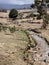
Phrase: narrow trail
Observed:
(42, 50)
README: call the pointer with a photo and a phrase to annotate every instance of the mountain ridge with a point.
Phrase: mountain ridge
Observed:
(11, 6)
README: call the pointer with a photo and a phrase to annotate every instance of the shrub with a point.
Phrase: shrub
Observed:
(12, 29)
(13, 14)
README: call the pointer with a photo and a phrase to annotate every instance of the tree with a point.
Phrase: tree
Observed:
(32, 5)
(41, 7)
(37, 2)
(13, 14)
(45, 21)
(45, 15)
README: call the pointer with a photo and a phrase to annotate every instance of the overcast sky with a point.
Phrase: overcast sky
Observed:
(16, 1)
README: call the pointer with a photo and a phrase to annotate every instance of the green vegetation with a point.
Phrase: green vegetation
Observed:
(12, 29)
(32, 15)
(32, 5)
(28, 56)
(47, 1)
(37, 2)
(31, 44)
(45, 21)
(18, 39)
(13, 14)
(3, 27)
(42, 11)
(38, 17)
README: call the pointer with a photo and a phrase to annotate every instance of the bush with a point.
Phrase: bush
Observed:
(13, 14)
(12, 29)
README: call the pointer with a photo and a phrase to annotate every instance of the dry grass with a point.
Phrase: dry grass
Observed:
(11, 48)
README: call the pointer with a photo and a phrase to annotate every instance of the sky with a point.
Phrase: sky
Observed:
(20, 2)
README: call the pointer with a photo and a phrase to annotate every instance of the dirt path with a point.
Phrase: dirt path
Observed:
(42, 49)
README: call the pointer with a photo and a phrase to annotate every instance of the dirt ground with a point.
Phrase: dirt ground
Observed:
(11, 48)
(13, 45)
